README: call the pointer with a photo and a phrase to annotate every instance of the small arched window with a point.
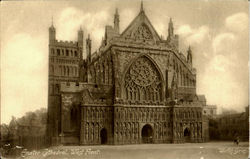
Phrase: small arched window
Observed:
(70, 71)
(60, 68)
(64, 70)
(67, 70)
(58, 52)
(103, 73)
(52, 51)
(57, 88)
(52, 69)
(67, 52)
(51, 89)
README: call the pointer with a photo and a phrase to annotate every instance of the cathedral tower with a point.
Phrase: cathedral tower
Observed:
(65, 58)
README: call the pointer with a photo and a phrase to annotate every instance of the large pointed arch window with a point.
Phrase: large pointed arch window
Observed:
(143, 81)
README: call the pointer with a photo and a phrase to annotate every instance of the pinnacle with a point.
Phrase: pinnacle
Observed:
(116, 11)
(142, 9)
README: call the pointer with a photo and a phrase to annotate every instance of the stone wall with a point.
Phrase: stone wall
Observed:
(187, 119)
(130, 120)
(94, 119)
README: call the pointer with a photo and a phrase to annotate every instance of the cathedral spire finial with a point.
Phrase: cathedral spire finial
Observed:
(170, 28)
(142, 9)
(171, 22)
(116, 21)
(116, 11)
(52, 21)
(189, 55)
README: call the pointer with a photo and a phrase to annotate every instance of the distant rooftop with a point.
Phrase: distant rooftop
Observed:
(202, 98)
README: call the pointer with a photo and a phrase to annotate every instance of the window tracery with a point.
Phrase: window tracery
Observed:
(142, 32)
(143, 82)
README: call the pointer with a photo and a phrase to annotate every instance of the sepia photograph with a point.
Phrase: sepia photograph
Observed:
(124, 79)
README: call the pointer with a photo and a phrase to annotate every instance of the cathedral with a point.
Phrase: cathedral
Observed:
(137, 88)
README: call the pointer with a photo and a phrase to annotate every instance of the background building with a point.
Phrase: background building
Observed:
(210, 110)
(233, 125)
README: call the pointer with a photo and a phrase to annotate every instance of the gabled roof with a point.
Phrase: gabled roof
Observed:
(141, 20)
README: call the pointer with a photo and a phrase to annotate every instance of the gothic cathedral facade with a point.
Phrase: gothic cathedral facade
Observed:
(137, 88)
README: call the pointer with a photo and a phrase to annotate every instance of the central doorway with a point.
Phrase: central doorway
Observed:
(187, 135)
(147, 134)
(104, 136)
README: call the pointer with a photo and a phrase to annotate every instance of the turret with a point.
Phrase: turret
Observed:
(172, 39)
(189, 55)
(52, 33)
(170, 29)
(116, 21)
(88, 49)
(80, 37)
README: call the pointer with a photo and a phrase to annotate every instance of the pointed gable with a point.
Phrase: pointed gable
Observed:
(141, 28)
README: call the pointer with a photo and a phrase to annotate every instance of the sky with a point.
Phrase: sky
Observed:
(217, 32)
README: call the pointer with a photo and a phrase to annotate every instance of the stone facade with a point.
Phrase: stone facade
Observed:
(138, 88)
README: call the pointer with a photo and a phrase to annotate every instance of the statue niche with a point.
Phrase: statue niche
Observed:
(143, 81)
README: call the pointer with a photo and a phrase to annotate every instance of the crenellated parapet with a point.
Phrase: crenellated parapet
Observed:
(66, 43)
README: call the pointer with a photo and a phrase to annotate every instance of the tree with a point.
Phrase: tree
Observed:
(213, 129)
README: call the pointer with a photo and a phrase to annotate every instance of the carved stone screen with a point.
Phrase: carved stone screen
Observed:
(143, 32)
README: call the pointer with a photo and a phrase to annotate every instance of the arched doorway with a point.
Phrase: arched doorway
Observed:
(147, 134)
(104, 136)
(187, 135)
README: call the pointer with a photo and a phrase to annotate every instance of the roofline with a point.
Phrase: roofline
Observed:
(147, 20)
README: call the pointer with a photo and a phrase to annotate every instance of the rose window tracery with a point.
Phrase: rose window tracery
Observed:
(143, 81)
(142, 73)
